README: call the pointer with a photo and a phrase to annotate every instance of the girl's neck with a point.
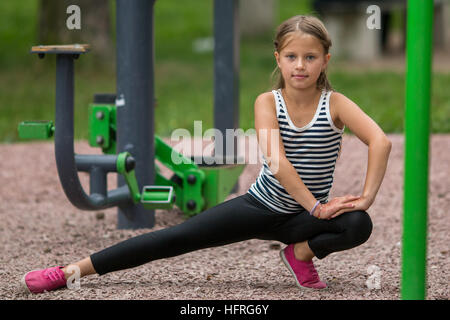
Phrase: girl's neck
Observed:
(301, 98)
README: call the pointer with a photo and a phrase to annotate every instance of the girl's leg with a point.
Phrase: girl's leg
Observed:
(303, 252)
(85, 266)
(315, 237)
(308, 236)
(356, 228)
(238, 219)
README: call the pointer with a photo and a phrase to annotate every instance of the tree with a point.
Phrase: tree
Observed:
(257, 16)
(95, 26)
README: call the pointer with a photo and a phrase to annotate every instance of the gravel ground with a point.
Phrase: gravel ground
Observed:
(40, 228)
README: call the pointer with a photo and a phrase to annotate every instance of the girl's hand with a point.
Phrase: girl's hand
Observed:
(336, 205)
(362, 204)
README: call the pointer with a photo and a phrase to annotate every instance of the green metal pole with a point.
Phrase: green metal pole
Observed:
(417, 125)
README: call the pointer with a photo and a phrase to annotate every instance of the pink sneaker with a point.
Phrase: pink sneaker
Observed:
(303, 271)
(44, 280)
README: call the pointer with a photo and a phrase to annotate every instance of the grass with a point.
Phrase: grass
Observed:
(183, 78)
(18, 21)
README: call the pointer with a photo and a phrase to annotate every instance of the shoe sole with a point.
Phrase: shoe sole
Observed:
(24, 284)
(283, 258)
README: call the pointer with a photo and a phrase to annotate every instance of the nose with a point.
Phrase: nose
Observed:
(300, 64)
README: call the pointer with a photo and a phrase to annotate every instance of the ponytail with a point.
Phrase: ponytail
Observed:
(323, 83)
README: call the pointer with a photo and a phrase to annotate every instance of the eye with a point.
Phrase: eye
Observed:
(310, 57)
(290, 56)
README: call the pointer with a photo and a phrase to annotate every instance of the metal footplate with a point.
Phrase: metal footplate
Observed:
(157, 197)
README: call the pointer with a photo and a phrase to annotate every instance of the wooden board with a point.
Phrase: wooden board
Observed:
(69, 48)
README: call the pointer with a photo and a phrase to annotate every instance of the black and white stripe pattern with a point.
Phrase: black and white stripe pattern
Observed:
(312, 150)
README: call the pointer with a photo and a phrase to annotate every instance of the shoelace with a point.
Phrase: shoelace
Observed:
(53, 275)
(313, 271)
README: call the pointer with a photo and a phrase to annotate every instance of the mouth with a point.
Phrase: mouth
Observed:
(299, 76)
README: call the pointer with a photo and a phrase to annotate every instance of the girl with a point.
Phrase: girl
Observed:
(288, 202)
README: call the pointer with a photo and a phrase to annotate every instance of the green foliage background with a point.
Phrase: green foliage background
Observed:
(183, 78)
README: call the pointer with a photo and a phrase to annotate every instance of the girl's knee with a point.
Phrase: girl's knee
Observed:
(359, 226)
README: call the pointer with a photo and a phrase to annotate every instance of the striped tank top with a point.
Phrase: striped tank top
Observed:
(312, 150)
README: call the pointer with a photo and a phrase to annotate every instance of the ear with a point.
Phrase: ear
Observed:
(327, 58)
(277, 58)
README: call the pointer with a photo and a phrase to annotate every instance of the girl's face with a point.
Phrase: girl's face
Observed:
(301, 60)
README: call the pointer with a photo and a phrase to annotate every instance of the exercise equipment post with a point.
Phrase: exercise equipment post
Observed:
(226, 78)
(418, 87)
(135, 101)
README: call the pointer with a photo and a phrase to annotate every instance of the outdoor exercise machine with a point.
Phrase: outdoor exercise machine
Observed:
(417, 136)
(122, 124)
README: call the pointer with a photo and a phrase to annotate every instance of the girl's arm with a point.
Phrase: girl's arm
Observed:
(371, 134)
(271, 144)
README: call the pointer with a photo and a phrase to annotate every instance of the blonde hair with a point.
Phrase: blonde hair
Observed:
(308, 25)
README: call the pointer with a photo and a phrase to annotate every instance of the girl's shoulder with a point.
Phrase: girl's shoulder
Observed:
(265, 100)
(265, 109)
(337, 99)
(265, 97)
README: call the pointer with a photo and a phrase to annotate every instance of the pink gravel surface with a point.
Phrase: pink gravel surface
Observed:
(40, 228)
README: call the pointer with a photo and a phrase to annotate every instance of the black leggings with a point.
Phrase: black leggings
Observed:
(241, 218)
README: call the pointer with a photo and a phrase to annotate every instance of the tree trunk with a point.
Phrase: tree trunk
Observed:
(257, 16)
(95, 27)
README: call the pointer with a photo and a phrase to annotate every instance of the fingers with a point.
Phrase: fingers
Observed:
(338, 206)
(349, 198)
(346, 205)
(345, 208)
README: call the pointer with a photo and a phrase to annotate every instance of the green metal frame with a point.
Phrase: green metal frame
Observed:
(187, 180)
(152, 197)
(36, 129)
(102, 127)
(196, 187)
(130, 177)
(417, 125)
